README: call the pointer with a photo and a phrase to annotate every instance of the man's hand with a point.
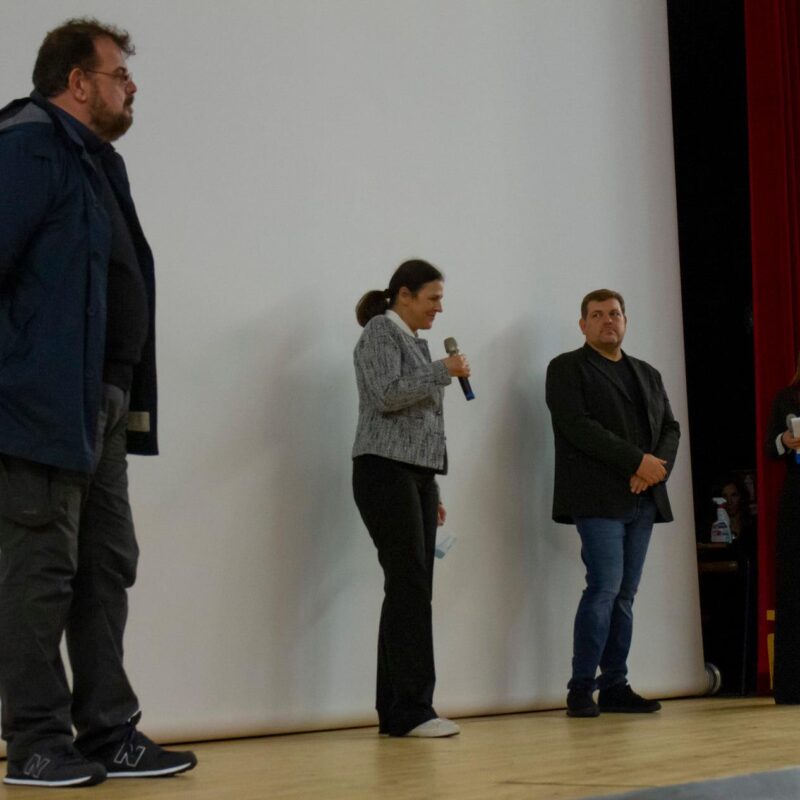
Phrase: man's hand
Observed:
(638, 485)
(651, 470)
(789, 441)
(441, 515)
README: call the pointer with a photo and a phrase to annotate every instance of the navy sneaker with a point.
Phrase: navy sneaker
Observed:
(137, 756)
(54, 766)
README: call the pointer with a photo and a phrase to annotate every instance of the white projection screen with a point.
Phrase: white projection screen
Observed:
(286, 156)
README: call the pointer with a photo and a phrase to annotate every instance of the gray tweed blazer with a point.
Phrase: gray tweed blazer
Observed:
(399, 397)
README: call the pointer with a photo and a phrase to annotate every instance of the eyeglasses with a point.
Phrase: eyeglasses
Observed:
(123, 78)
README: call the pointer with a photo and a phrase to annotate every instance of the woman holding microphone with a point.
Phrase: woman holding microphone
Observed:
(398, 451)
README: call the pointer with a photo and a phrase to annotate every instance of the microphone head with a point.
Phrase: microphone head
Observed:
(450, 346)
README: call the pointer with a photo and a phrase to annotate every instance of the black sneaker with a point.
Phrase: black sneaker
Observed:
(59, 765)
(621, 699)
(137, 756)
(581, 704)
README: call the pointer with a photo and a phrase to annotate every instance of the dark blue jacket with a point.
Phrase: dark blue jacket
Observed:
(55, 239)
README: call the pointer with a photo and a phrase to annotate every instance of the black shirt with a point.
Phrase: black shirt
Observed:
(127, 312)
(623, 372)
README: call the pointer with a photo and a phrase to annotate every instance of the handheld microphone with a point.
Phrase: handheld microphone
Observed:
(792, 424)
(451, 348)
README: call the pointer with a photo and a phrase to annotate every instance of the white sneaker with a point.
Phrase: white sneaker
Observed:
(435, 728)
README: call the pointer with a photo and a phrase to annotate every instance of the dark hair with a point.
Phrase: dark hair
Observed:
(412, 275)
(741, 487)
(72, 45)
(600, 296)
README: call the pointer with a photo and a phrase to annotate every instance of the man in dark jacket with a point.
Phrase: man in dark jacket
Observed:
(77, 393)
(616, 441)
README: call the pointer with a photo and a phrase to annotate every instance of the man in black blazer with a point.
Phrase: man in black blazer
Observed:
(616, 441)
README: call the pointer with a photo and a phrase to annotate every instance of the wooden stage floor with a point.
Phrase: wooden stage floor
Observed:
(536, 755)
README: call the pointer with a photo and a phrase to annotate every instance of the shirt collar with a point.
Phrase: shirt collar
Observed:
(91, 141)
(400, 322)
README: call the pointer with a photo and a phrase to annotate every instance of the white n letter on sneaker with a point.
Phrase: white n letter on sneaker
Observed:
(35, 765)
(129, 756)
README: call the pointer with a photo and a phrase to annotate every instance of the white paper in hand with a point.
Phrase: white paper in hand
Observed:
(796, 430)
(444, 541)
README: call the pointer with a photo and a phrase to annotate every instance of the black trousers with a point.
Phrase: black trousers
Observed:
(398, 503)
(787, 594)
(66, 571)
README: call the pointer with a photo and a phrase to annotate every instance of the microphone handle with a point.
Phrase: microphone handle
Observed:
(466, 388)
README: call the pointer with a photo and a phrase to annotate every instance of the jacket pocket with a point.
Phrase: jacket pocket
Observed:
(28, 495)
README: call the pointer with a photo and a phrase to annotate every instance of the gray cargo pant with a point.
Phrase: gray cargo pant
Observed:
(68, 554)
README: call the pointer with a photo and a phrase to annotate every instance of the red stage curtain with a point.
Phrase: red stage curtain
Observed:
(772, 41)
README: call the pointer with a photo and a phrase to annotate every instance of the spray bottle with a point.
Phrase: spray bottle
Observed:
(721, 529)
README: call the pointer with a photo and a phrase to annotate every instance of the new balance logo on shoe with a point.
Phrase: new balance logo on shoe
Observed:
(35, 765)
(129, 756)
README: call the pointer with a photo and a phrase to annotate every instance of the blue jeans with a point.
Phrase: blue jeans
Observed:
(613, 551)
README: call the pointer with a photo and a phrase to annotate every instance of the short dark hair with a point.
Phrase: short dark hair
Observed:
(600, 296)
(72, 45)
(412, 275)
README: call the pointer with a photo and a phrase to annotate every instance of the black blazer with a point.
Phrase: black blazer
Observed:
(594, 421)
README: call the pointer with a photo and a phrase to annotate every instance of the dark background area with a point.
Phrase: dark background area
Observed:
(709, 106)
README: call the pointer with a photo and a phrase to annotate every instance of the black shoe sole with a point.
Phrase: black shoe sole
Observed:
(583, 712)
(626, 710)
